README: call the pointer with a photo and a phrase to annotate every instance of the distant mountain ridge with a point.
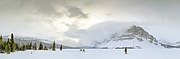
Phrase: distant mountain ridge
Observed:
(26, 40)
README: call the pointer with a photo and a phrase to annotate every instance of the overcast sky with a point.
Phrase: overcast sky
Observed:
(56, 19)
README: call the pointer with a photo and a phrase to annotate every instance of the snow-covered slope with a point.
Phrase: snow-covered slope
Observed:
(95, 54)
(134, 37)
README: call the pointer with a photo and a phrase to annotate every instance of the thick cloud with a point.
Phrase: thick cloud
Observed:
(76, 12)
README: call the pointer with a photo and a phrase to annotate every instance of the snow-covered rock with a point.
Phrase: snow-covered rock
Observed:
(134, 37)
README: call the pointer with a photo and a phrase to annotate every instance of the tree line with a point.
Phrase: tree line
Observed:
(9, 45)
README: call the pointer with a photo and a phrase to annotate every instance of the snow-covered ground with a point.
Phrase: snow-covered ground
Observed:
(96, 54)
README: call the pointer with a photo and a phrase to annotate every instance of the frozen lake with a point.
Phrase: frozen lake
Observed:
(95, 54)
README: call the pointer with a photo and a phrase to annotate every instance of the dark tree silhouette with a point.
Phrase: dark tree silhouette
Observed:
(54, 46)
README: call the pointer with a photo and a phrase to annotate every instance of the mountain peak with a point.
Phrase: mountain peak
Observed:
(137, 30)
(135, 34)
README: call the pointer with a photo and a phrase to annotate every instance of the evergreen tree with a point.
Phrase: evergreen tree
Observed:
(12, 36)
(27, 46)
(40, 46)
(12, 44)
(1, 41)
(23, 47)
(45, 48)
(1, 44)
(34, 46)
(4, 46)
(17, 47)
(54, 46)
(30, 45)
(61, 47)
(8, 42)
(8, 48)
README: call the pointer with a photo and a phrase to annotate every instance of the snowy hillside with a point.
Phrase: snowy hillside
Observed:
(134, 37)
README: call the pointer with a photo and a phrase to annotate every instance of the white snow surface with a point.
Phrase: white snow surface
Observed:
(95, 54)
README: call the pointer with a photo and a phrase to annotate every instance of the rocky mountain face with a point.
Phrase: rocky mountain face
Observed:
(134, 32)
(167, 44)
(134, 37)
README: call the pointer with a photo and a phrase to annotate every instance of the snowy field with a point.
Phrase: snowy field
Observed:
(95, 54)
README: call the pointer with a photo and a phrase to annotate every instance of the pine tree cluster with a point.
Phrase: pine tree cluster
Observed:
(10, 45)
